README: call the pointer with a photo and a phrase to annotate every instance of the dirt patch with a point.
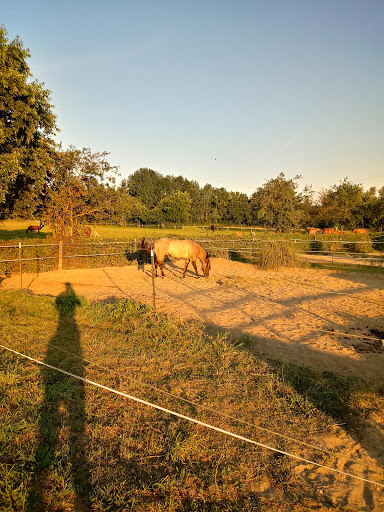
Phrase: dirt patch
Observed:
(325, 319)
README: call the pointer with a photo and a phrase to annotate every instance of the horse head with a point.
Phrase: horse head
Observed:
(206, 267)
(145, 246)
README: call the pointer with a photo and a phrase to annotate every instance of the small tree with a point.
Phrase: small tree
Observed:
(75, 191)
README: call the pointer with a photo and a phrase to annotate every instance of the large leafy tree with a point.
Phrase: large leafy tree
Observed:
(276, 203)
(176, 207)
(76, 189)
(146, 185)
(238, 208)
(27, 125)
(123, 208)
(342, 205)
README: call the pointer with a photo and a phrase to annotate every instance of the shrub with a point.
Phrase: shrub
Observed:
(277, 254)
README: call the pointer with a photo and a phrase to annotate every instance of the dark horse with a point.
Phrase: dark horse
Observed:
(189, 250)
(35, 228)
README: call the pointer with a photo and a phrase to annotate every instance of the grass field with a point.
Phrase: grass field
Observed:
(66, 445)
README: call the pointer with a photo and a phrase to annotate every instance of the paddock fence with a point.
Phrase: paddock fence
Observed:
(39, 256)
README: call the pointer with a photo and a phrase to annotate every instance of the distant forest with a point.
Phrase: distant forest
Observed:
(67, 187)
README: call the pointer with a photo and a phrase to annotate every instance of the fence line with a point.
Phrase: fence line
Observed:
(250, 246)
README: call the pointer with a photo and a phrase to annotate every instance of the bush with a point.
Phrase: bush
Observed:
(275, 255)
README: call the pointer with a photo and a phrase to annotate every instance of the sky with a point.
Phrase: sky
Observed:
(229, 93)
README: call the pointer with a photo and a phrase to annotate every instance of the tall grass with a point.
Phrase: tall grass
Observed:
(275, 255)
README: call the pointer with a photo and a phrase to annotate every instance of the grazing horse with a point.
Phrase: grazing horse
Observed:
(35, 228)
(214, 227)
(313, 231)
(87, 232)
(189, 250)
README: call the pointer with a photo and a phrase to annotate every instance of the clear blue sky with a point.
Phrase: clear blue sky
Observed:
(224, 92)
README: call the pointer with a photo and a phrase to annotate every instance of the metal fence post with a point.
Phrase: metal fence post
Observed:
(153, 278)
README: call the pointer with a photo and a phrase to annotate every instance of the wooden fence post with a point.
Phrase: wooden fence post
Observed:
(21, 265)
(60, 265)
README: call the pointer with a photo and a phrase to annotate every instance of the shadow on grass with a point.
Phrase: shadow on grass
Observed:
(20, 234)
(62, 416)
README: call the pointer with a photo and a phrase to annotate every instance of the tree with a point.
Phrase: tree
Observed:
(276, 203)
(342, 205)
(145, 185)
(176, 207)
(238, 208)
(26, 127)
(125, 208)
(75, 190)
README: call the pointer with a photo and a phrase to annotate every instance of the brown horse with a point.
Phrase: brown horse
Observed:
(35, 228)
(189, 250)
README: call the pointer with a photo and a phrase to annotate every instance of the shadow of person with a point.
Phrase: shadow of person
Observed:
(62, 416)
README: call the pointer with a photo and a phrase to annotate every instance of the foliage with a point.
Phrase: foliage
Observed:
(276, 203)
(145, 185)
(123, 208)
(176, 207)
(27, 125)
(341, 205)
(74, 191)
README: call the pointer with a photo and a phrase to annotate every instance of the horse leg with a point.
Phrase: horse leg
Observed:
(186, 266)
(195, 267)
(160, 264)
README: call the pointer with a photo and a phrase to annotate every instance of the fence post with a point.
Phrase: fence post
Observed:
(60, 266)
(21, 269)
(153, 278)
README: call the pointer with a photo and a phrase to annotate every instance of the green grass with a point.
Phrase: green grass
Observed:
(345, 267)
(71, 446)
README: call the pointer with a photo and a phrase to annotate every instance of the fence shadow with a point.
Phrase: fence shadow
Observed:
(62, 412)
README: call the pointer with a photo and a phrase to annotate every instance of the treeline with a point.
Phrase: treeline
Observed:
(67, 187)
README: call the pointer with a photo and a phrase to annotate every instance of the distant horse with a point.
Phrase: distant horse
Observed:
(214, 227)
(189, 250)
(313, 231)
(35, 228)
(359, 231)
(87, 232)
